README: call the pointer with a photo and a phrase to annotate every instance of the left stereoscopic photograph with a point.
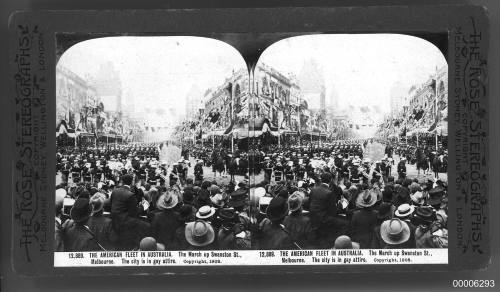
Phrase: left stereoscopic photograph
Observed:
(320, 145)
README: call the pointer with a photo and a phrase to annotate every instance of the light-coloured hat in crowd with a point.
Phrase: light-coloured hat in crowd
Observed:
(394, 231)
(199, 233)
(97, 202)
(150, 244)
(205, 212)
(418, 198)
(218, 200)
(404, 210)
(167, 200)
(366, 199)
(345, 242)
(295, 201)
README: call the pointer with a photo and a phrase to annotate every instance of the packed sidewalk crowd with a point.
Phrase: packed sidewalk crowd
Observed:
(126, 198)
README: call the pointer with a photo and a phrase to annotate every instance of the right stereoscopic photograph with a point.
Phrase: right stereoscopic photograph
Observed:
(356, 151)
(329, 141)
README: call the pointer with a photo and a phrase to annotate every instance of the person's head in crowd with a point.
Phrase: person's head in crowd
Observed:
(345, 242)
(435, 197)
(295, 201)
(238, 199)
(277, 210)
(366, 199)
(150, 244)
(394, 232)
(186, 214)
(205, 185)
(189, 181)
(415, 187)
(347, 184)
(218, 200)
(417, 198)
(127, 180)
(283, 193)
(97, 202)
(326, 177)
(353, 190)
(347, 195)
(199, 233)
(385, 211)
(406, 182)
(153, 195)
(81, 211)
(188, 196)
(390, 179)
(228, 218)
(93, 190)
(387, 195)
(404, 211)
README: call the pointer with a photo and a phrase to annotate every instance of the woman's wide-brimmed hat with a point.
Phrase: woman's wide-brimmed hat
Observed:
(199, 233)
(418, 198)
(394, 231)
(167, 200)
(97, 202)
(295, 201)
(426, 214)
(218, 200)
(366, 199)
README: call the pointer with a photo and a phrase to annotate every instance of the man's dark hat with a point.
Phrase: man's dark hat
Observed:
(435, 196)
(385, 211)
(426, 214)
(277, 209)
(81, 210)
(186, 213)
(238, 198)
(188, 196)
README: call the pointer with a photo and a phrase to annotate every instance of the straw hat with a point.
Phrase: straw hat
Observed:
(205, 212)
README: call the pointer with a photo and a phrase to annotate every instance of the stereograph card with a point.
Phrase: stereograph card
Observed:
(217, 141)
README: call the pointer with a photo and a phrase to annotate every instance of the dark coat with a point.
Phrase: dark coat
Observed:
(77, 238)
(123, 204)
(132, 232)
(272, 236)
(299, 227)
(164, 226)
(363, 222)
(103, 230)
(322, 204)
